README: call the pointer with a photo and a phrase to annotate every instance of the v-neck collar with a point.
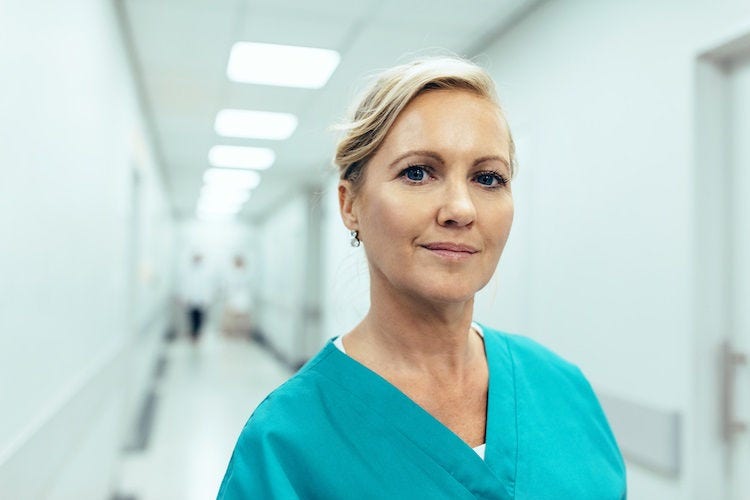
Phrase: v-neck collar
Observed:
(493, 477)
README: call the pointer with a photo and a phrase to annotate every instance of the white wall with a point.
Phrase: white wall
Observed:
(600, 264)
(153, 246)
(311, 284)
(346, 286)
(70, 137)
(281, 278)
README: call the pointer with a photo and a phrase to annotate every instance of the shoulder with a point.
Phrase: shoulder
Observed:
(308, 396)
(283, 438)
(263, 458)
(549, 384)
(291, 400)
(557, 403)
(538, 367)
(528, 352)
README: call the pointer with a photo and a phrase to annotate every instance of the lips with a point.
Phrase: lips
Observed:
(451, 249)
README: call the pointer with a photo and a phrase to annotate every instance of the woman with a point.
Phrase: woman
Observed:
(418, 401)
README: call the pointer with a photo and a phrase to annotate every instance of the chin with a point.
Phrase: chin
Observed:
(436, 288)
(450, 294)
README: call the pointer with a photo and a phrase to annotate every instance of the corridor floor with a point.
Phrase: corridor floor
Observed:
(204, 397)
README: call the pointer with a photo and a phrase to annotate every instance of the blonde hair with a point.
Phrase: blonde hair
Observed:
(392, 90)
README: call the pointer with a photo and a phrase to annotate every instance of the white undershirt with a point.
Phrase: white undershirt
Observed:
(339, 343)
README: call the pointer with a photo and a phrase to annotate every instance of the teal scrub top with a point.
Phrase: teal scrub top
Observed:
(337, 430)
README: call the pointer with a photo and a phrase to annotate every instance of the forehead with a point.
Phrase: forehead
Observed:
(446, 118)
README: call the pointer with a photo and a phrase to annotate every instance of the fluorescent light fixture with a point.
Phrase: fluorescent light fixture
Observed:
(210, 212)
(240, 179)
(282, 65)
(213, 216)
(219, 204)
(223, 194)
(241, 157)
(255, 124)
(210, 217)
(219, 209)
(224, 205)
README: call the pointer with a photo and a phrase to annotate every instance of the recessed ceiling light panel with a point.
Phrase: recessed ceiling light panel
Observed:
(219, 200)
(223, 197)
(204, 208)
(241, 157)
(223, 191)
(255, 124)
(240, 179)
(281, 65)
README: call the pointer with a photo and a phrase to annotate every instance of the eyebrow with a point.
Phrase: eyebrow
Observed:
(417, 152)
(436, 156)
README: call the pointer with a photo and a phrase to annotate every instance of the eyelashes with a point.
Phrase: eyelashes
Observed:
(419, 174)
(491, 176)
(416, 173)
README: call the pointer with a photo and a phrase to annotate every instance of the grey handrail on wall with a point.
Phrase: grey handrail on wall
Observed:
(647, 436)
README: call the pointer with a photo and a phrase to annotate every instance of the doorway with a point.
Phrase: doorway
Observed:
(721, 441)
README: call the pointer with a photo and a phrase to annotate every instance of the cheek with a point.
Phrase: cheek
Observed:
(388, 216)
(508, 218)
(501, 223)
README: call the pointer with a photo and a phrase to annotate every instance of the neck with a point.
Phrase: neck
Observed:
(413, 335)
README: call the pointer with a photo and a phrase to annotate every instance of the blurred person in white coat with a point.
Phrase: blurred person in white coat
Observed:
(196, 293)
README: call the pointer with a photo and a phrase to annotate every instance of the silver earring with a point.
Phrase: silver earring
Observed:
(355, 238)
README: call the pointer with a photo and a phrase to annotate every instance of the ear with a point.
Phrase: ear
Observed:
(347, 206)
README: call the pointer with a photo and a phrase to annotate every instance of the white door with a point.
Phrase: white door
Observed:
(737, 366)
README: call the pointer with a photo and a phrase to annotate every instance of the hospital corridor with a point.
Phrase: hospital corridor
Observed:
(187, 429)
(415, 249)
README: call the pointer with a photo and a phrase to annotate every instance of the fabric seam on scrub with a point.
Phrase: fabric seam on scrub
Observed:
(515, 408)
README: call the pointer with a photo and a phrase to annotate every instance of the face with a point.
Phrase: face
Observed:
(435, 208)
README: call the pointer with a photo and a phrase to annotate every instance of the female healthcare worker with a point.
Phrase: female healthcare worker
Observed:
(419, 401)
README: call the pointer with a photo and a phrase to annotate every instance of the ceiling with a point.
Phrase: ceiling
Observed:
(180, 50)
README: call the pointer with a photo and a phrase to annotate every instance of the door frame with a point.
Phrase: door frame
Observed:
(707, 459)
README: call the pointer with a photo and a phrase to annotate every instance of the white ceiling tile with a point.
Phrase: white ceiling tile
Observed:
(324, 32)
(422, 15)
(314, 10)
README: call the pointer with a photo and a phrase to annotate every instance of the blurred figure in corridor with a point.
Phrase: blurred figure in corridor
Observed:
(196, 293)
(236, 314)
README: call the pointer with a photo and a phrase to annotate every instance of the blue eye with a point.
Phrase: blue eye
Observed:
(414, 174)
(490, 179)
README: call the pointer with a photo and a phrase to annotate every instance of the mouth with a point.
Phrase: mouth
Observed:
(451, 251)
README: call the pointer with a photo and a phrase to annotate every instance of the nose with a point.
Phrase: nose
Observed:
(457, 208)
